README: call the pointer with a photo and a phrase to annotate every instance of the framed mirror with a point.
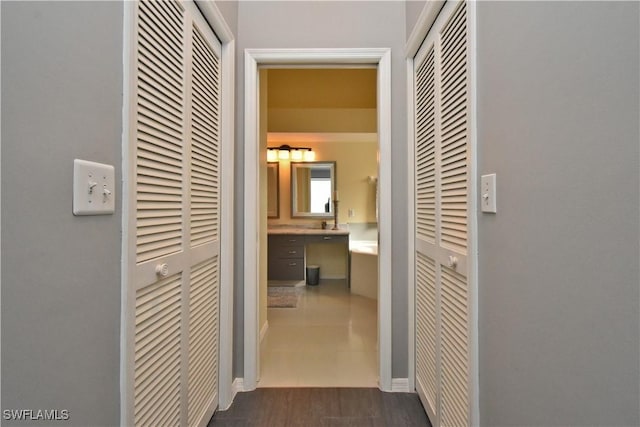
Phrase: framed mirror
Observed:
(312, 187)
(273, 190)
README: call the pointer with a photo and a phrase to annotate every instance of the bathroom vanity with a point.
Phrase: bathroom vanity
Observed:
(287, 247)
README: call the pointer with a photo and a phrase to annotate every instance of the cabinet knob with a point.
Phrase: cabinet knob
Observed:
(293, 264)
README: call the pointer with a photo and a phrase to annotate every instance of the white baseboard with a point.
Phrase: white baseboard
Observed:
(400, 385)
(263, 330)
(236, 387)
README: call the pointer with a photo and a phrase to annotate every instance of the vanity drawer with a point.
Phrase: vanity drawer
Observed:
(285, 240)
(286, 269)
(324, 238)
(286, 252)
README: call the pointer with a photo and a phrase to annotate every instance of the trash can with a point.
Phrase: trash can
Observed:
(313, 275)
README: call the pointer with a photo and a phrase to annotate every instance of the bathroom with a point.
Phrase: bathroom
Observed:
(318, 126)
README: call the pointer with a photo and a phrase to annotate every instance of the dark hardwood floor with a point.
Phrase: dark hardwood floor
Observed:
(322, 407)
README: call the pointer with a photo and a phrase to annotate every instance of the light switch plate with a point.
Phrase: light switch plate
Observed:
(94, 191)
(488, 193)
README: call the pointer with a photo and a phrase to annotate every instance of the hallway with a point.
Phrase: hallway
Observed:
(316, 407)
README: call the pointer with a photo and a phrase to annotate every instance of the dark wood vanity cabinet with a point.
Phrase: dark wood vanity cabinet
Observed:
(286, 257)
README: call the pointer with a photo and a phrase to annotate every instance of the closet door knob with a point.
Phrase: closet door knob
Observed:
(453, 261)
(162, 270)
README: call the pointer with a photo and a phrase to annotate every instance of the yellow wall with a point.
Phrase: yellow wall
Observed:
(355, 162)
(362, 120)
(272, 188)
(331, 257)
(322, 100)
(322, 88)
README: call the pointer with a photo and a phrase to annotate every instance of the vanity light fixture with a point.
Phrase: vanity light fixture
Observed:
(286, 152)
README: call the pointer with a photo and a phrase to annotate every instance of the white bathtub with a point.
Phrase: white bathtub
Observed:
(364, 268)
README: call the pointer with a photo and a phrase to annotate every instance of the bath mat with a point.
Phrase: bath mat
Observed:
(284, 283)
(283, 296)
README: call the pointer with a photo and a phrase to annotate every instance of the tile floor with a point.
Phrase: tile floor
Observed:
(328, 340)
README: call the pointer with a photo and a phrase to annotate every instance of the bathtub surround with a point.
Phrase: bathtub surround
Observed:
(364, 268)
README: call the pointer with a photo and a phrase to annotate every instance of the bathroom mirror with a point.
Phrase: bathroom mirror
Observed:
(312, 187)
(273, 190)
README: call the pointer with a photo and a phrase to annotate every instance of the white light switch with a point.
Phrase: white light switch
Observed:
(488, 193)
(94, 190)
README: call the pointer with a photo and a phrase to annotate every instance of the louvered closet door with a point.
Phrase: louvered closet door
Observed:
(441, 72)
(177, 211)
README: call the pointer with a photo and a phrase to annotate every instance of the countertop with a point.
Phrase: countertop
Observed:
(307, 231)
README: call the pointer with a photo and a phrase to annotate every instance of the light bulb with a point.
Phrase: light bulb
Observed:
(283, 154)
(309, 156)
(296, 154)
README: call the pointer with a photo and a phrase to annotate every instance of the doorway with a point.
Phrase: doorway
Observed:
(319, 126)
(379, 58)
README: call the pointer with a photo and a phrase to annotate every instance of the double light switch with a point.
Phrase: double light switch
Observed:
(93, 188)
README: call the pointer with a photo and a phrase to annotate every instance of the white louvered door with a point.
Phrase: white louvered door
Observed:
(173, 335)
(442, 192)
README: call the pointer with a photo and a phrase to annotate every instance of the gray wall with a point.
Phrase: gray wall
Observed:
(306, 24)
(229, 10)
(559, 282)
(413, 10)
(61, 99)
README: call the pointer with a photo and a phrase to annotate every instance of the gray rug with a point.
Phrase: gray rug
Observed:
(283, 296)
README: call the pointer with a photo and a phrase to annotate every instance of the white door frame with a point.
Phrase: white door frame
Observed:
(426, 19)
(253, 58)
(218, 25)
